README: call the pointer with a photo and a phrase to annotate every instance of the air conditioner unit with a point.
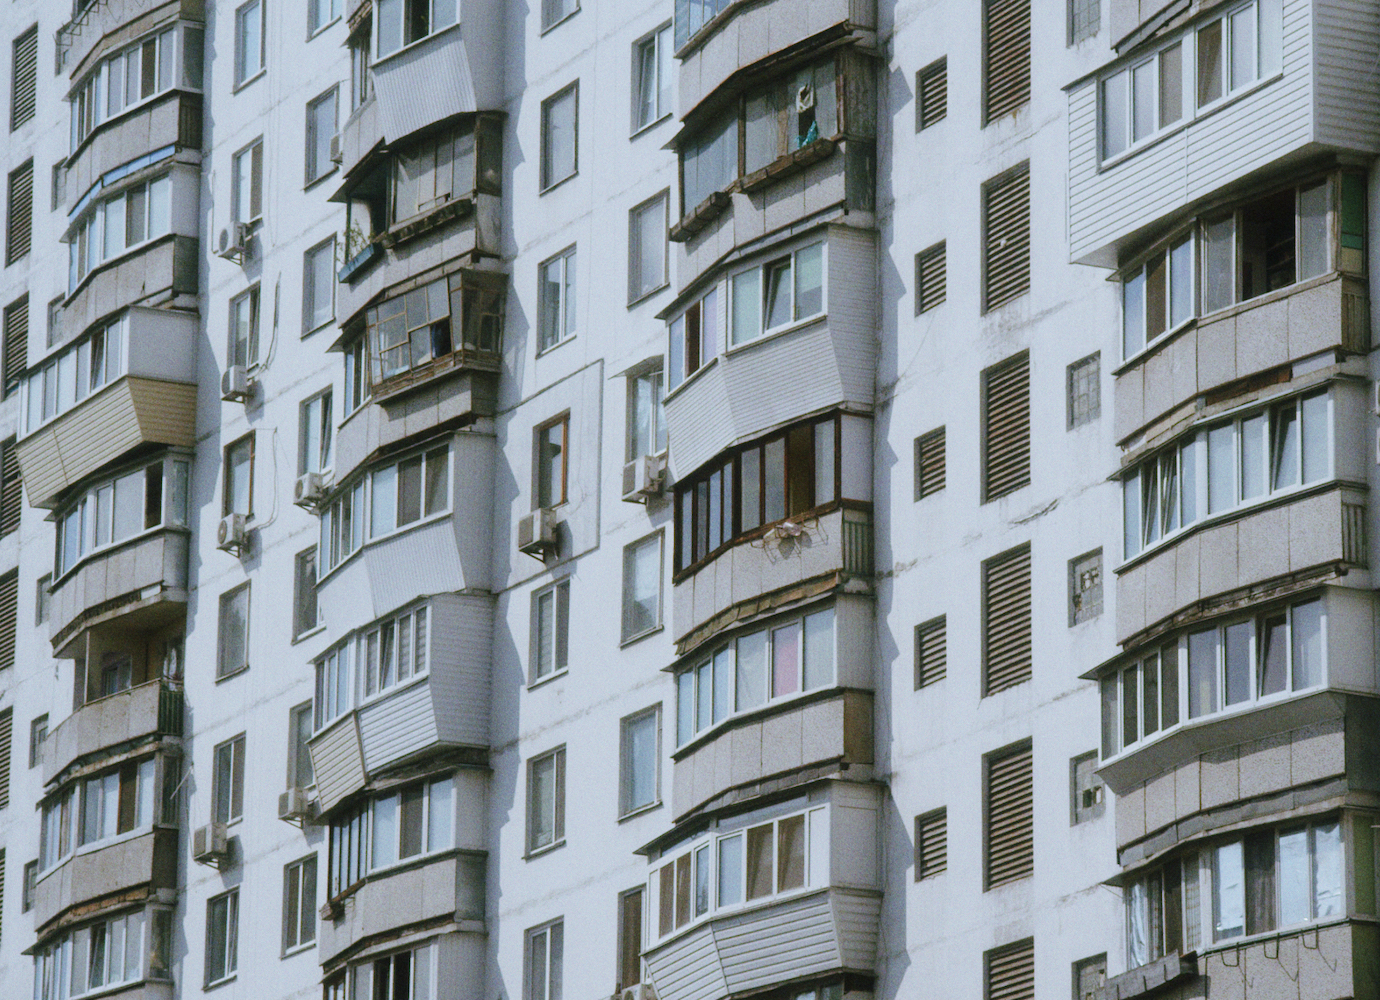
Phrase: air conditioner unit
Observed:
(233, 242)
(337, 154)
(642, 991)
(309, 490)
(210, 845)
(643, 477)
(235, 384)
(537, 533)
(294, 806)
(231, 536)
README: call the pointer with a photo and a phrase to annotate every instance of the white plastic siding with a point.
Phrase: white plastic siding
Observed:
(1348, 100)
(338, 761)
(461, 659)
(439, 68)
(397, 726)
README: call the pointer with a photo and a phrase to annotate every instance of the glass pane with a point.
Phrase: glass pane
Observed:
(685, 706)
(1284, 440)
(1243, 47)
(385, 833)
(1171, 85)
(785, 658)
(1150, 701)
(702, 880)
(1143, 99)
(1130, 502)
(383, 500)
(1202, 673)
(440, 811)
(1327, 870)
(1110, 746)
(752, 670)
(747, 319)
(731, 870)
(1221, 468)
(1294, 904)
(1307, 642)
(723, 684)
(1274, 654)
(1238, 663)
(409, 491)
(750, 488)
(704, 683)
(777, 304)
(1181, 282)
(809, 281)
(682, 890)
(1115, 115)
(1228, 892)
(819, 649)
(774, 476)
(824, 463)
(1219, 252)
(759, 862)
(1313, 231)
(410, 843)
(1209, 63)
(1317, 452)
(1130, 703)
(1253, 457)
(1133, 314)
(790, 853)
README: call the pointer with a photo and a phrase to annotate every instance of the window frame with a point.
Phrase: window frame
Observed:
(552, 937)
(1080, 415)
(248, 299)
(230, 483)
(661, 46)
(566, 288)
(628, 763)
(335, 12)
(789, 258)
(324, 460)
(631, 551)
(309, 289)
(90, 251)
(245, 73)
(297, 748)
(546, 166)
(252, 154)
(638, 290)
(228, 801)
(312, 170)
(654, 428)
(557, 757)
(376, 29)
(223, 908)
(223, 668)
(544, 485)
(302, 580)
(299, 875)
(559, 593)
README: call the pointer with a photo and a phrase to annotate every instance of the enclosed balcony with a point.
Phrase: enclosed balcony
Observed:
(1183, 116)
(129, 383)
(98, 26)
(149, 710)
(407, 687)
(143, 866)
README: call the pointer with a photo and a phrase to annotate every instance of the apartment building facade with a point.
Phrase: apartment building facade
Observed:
(595, 499)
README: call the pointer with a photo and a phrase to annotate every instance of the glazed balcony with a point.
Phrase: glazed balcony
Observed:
(100, 26)
(134, 867)
(444, 709)
(1297, 101)
(170, 121)
(147, 711)
(448, 887)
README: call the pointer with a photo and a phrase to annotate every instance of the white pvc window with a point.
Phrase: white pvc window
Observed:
(776, 294)
(415, 821)
(67, 378)
(111, 227)
(402, 22)
(153, 65)
(107, 513)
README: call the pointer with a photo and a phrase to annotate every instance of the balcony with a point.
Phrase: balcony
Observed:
(440, 889)
(832, 930)
(1325, 314)
(96, 29)
(149, 710)
(172, 120)
(136, 867)
(1304, 103)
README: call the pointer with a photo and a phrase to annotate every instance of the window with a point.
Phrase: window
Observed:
(321, 13)
(23, 78)
(1085, 390)
(105, 513)
(299, 903)
(642, 563)
(1213, 470)
(445, 167)
(1142, 100)
(629, 938)
(788, 114)
(9, 623)
(556, 288)
(150, 66)
(776, 294)
(58, 196)
(315, 434)
(300, 773)
(1006, 237)
(38, 732)
(20, 218)
(249, 41)
(647, 247)
(1228, 54)
(116, 801)
(1085, 20)
(318, 286)
(552, 441)
(646, 416)
(1006, 57)
(1087, 799)
(110, 227)
(247, 182)
(423, 328)
(932, 94)
(693, 338)
(931, 844)
(399, 494)
(394, 651)
(929, 463)
(322, 116)
(546, 800)
(11, 489)
(402, 22)
(545, 970)
(721, 872)
(413, 974)
(930, 276)
(1089, 974)
(406, 823)
(653, 78)
(792, 656)
(1010, 972)
(1010, 810)
(358, 388)
(361, 79)
(1006, 620)
(1238, 663)
(222, 935)
(305, 613)
(931, 651)
(786, 476)
(559, 151)
(16, 345)
(555, 11)
(30, 877)
(43, 598)
(244, 329)
(67, 378)
(234, 631)
(239, 477)
(227, 781)
(111, 952)
(1006, 427)
(691, 18)
(550, 630)
(1085, 587)
(640, 758)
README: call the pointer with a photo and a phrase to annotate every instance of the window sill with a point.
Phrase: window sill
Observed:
(775, 332)
(318, 328)
(321, 30)
(557, 183)
(302, 948)
(690, 379)
(429, 219)
(458, 359)
(543, 681)
(539, 851)
(378, 697)
(383, 60)
(544, 351)
(773, 706)
(258, 74)
(642, 130)
(556, 24)
(643, 297)
(788, 165)
(1315, 925)
(641, 810)
(330, 171)
(110, 262)
(218, 983)
(633, 640)
(231, 673)
(309, 633)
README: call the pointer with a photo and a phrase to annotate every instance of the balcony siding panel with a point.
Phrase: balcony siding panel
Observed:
(688, 969)
(397, 726)
(157, 560)
(149, 859)
(438, 67)
(461, 663)
(1348, 105)
(338, 761)
(107, 722)
(858, 918)
(151, 127)
(778, 944)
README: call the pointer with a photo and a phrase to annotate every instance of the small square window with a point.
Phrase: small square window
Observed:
(1085, 390)
(550, 630)
(234, 631)
(222, 936)
(318, 286)
(559, 148)
(653, 78)
(249, 40)
(556, 300)
(227, 781)
(1087, 794)
(640, 761)
(546, 800)
(1085, 20)
(1085, 587)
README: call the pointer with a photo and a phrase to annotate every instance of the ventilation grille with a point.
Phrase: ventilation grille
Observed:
(931, 844)
(1006, 419)
(11, 488)
(21, 213)
(6, 739)
(1010, 820)
(24, 88)
(1006, 211)
(1011, 972)
(929, 463)
(931, 652)
(1006, 624)
(1007, 56)
(931, 271)
(932, 88)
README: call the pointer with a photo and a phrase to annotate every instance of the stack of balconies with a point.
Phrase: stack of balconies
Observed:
(1237, 713)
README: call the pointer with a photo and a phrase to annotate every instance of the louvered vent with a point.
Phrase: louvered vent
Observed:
(1006, 427)
(932, 90)
(11, 488)
(16, 346)
(1006, 216)
(24, 78)
(19, 231)
(931, 844)
(1010, 817)
(1007, 57)
(929, 463)
(6, 739)
(930, 278)
(1006, 620)
(1011, 972)
(931, 652)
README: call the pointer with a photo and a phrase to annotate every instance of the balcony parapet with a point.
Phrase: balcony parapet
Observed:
(149, 710)
(171, 120)
(132, 869)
